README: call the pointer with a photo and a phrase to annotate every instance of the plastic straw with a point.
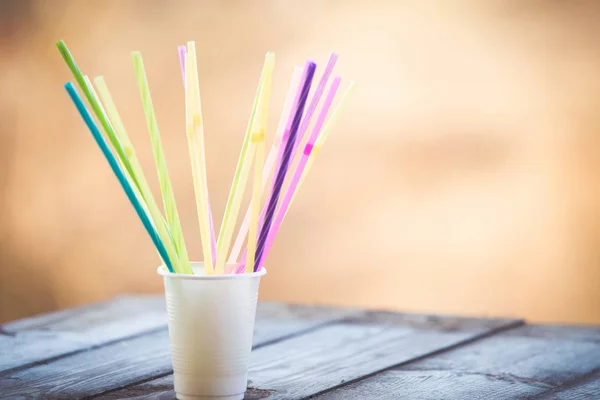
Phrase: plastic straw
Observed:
(279, 157)
(96, 108)
(323, 137)
(311, 107)
(269, 163)
(213, 241)
(166, 189)
(306, 119)
(293, 187)
(284, 164)
(145, 191)
(235, 193)
(182, 52)
(258, 138)
(195, 137)
(314, 102)
(87, 118)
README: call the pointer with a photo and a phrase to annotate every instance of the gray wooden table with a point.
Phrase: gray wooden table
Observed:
(119, 350)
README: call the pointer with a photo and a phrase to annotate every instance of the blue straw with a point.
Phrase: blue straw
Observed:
(87, 118)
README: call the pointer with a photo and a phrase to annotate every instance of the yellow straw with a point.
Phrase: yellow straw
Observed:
(161, 164)
(145, 191)
(236, 192)
(195, 137)
(130, 175)
(322, 138)
(258, 138)
(269, 163)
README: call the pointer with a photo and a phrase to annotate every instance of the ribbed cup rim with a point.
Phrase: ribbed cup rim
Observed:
(162, 270)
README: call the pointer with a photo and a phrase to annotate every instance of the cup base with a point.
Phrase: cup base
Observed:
(181, 396)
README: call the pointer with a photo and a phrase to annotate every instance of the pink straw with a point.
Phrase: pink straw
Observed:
(268, 167)
(302, 129)
(182, 53)
(289, 194)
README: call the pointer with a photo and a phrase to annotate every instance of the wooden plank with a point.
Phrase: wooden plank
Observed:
(319, 360)
(588, 389)
(78, 317)
(522, 363)
(57, 334)
(143, 357)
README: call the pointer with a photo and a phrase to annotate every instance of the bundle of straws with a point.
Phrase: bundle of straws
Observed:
(273, 180)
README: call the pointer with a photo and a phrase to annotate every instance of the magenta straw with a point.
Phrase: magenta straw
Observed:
(182, 52)
(316, 98)
(282, 146)
(289, 194)
(309, 113)
(314, 102)
(285, 161)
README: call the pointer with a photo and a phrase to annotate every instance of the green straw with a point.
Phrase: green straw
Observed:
(166, 189)
(242, 171)
(145, 191)
(96, 107)
(119, 174)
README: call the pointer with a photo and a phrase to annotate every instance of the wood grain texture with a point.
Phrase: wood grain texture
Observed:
(305, 365)
(142, 357)
(57, 334)
(588, 389)
(523, 363)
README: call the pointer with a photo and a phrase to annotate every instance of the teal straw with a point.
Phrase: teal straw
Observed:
(87, 118)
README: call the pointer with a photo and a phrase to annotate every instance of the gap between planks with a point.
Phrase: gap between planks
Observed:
(350, 350)
(492, 332)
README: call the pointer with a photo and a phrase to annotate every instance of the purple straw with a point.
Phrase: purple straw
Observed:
(301, 130)
(294, 182)
(285, 161)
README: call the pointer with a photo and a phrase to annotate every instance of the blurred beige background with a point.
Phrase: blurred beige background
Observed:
(463, 178)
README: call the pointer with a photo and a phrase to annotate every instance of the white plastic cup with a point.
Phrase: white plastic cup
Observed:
(211, 323)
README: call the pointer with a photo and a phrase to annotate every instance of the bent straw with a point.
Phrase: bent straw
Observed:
(269, 163)
(161, 164)
(213, 241)
(259, 140)
(96, 108)
(310, 72)
(195, 137)
(235, 193)
(293, 187)
(87, 118)
(145, 191)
